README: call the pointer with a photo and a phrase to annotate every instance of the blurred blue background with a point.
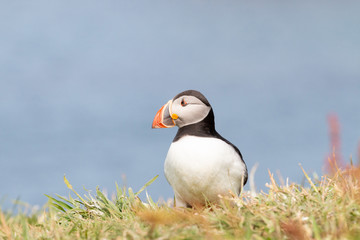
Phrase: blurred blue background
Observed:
(80, 83)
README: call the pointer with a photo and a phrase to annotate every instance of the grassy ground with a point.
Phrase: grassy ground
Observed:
(328, 209)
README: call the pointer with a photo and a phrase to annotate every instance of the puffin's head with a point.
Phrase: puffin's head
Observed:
(186, 108)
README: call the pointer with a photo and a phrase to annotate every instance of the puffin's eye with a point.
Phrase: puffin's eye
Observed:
(183, 103)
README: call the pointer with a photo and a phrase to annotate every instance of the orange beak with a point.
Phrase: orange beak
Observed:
(163, 117)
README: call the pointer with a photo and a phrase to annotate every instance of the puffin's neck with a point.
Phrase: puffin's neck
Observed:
(204, 128)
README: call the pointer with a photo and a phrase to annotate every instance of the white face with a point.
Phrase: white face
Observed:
(189, 110)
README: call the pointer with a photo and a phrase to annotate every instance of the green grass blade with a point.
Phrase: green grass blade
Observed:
(146, 185)
(101, 196)
(60, 203)
(119, 192)
(150, 201)
(309, 180)
(25, 228)
(65, 199)
(315, 228)
(71, 188)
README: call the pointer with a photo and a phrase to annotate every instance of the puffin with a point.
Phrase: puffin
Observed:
(201, 165)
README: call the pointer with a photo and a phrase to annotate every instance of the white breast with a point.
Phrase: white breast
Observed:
(202, 167)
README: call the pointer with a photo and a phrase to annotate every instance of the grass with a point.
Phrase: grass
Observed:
(328, 209)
